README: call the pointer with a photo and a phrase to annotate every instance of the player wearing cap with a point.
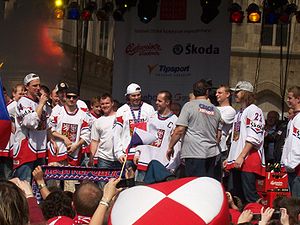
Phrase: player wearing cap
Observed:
(134, 113)
(71, 128)
(32, 113)
(246, 155)
(61, 89)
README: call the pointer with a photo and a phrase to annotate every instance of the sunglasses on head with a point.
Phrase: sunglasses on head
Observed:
(71, 96)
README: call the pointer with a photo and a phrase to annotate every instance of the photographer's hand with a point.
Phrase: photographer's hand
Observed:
(284, 219)
(245, 217)
(266, 215)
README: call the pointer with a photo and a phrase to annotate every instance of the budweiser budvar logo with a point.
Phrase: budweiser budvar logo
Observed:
(276, 183)
(143, 49)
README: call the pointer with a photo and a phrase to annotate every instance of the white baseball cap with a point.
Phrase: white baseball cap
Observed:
(30, 77)
(243, 86)
(133, 88)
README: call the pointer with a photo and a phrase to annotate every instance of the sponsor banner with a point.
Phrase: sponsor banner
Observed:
(172, 51)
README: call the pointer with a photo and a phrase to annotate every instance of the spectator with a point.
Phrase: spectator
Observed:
(86, 200)
(14, 208)
(57, 203)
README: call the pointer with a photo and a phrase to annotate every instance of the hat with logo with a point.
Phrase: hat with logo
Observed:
(133, 88)
(72, 90)
(61, 86)
(30, 77)
(243, 86)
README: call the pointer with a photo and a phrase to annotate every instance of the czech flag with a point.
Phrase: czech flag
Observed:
(5, 123)
(140, 137)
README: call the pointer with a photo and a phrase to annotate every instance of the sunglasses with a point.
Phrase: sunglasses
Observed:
(71, 96)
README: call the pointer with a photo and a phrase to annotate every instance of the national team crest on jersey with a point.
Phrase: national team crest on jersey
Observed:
(160, 137)
(70, 131)
(296, 132)
(254, 125)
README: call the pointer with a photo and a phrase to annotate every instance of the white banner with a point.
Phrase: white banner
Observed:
(172, 51)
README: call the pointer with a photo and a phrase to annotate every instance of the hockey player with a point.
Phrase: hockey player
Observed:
(246, 155)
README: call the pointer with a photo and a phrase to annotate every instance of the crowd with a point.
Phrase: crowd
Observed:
(205, 138)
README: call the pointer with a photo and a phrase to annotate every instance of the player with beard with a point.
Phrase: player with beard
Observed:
(134, 113)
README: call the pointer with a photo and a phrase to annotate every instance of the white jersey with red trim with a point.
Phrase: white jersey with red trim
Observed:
(124, 125)
(248, 126)
(74, 125)
(8, 151)
(163, 127)
(291, 151)
(31, 132)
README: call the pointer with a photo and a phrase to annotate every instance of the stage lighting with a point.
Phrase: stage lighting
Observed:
(59, 14)
(209, 10)
(254, 15)
(288, 12)
(73, 11)
(58, 3)
(147, 10)
(87, 12)
(236, 13)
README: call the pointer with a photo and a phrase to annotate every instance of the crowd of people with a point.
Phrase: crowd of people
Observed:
(201, 139)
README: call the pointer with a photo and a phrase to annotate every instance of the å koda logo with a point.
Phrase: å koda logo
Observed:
(192, 49)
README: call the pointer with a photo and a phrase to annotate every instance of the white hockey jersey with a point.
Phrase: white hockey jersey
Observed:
(163, 127)
(248, 126)
(72, 125)
(31, 132)
(126, 120)
(291, 150)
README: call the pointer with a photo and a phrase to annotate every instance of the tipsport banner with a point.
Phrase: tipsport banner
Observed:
(172, 51)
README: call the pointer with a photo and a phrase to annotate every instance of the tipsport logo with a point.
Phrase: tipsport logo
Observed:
(169, 70)
(193, 49)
